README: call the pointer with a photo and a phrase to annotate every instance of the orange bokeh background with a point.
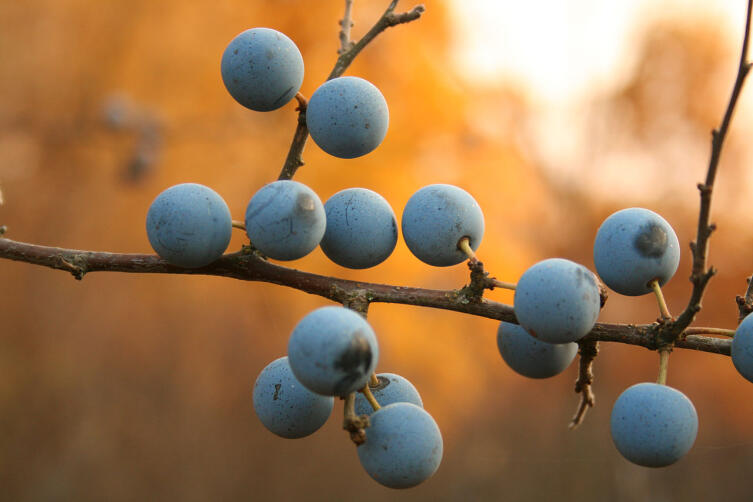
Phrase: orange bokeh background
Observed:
(129, 387)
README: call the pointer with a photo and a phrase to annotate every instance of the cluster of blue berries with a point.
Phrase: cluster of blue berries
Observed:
(333, 351)
(557, 303)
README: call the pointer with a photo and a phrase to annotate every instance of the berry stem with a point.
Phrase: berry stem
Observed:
(464, 244)
(373, 381)
(660, 298)
(370, 397)
(663, 364)
(710, 331)
(352, 423)
(239, 224)
(504, 285)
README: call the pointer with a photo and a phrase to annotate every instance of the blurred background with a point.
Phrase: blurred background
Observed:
(552, 115)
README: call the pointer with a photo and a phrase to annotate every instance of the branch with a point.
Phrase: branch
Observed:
(294, 159)
(587, 351)
(701, 274)
(346, 23)
(247, 265)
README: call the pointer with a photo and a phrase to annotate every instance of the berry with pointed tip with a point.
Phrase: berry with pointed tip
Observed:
(286, 407)
(333, 351)
(361, 228)
(403, 446)
(633, 247)
(285, 220)
(391, 389)
(557, 301)
(347, 117)
(262, 69)
(653, 425)
(189, 225)
(435, 219)
(530, 357)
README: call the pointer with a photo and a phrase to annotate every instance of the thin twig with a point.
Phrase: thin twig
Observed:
(701, 275)
(346, 23)
(745, 303)
(587, 351)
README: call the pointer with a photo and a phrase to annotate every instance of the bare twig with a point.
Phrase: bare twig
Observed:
(745, 303)
(346, 23)
(248, 266)
(587, 351)
(701, 275)
(294, 159)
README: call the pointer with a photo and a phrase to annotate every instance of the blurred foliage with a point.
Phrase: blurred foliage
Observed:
(138, 387)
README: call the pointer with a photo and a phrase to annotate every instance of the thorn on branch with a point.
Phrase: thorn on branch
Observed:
(77, 271)
(587, 351)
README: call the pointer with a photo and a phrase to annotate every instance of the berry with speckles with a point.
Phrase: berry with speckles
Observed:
(653, 425)
(347, 117)
(189, 225)
(286, 407)
(435, 219)
(403, 446)
(557, 301)
(361, 228)
(262, 69)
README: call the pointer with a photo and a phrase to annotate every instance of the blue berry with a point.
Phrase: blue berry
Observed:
(333, 351)
(361, 228)
(435, 219)
(285, 220)
(632, 248)
(262, 69)
(653, 425)
(189, 225)
(531, 357)
(347, 117)
(742, 348)
(403, 446)
(557, 301)
(286, 407)
(391, 389)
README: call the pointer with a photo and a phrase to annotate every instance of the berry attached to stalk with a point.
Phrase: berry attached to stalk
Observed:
(557, 301)
(403, 446)
(262, 69)
(189, 225)
(653, 425)
(333, 351)
(390, 389)
(286, 407)
(361, 228)
(347, 117)
(632, 248)
(285, 220)
(436, 218)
